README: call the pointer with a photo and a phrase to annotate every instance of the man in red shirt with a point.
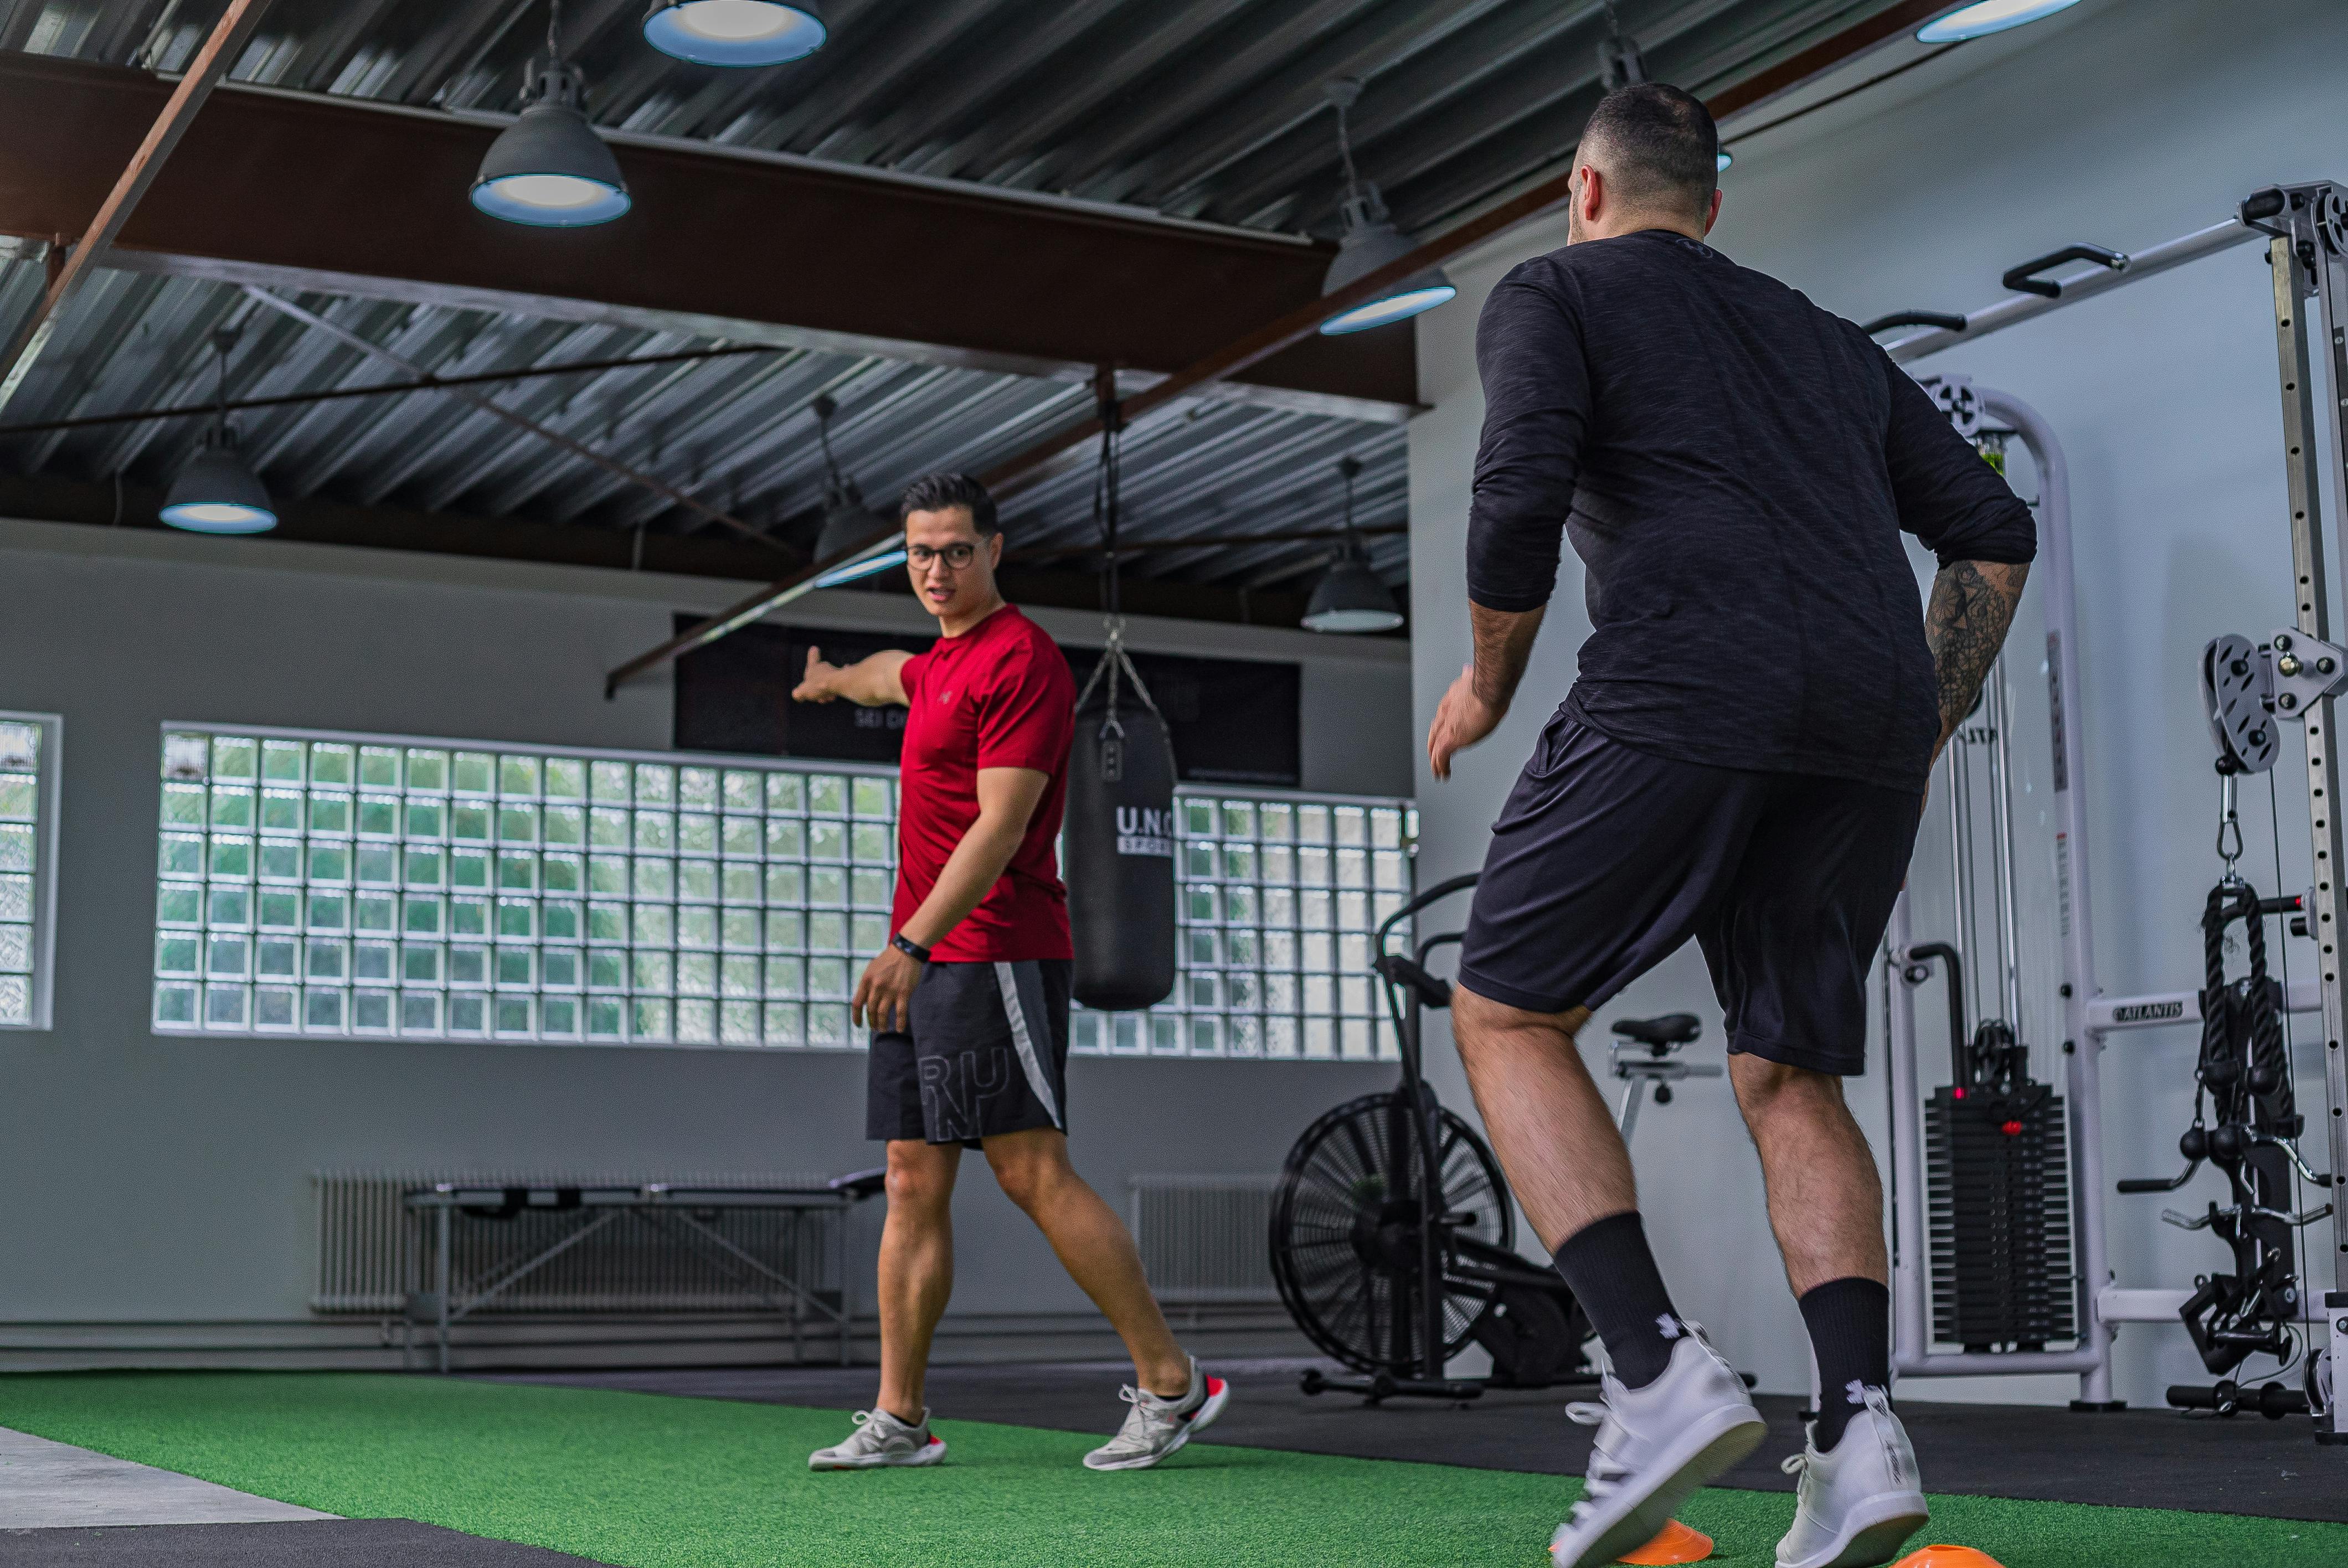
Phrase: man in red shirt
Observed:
(968, 1004)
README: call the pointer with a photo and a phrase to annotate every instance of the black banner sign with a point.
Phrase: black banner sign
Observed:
(1234, 721)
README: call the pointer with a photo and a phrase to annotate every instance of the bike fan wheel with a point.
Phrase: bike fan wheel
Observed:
(1345, 1245)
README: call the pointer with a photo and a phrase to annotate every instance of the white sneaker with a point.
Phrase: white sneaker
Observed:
(1156, 1427)
(1655, 1446)
(881, 1438)
(1861, 1500)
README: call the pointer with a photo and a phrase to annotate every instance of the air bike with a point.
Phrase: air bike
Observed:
(1393, 1234)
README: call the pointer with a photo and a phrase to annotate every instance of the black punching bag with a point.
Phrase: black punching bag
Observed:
(1119, 835)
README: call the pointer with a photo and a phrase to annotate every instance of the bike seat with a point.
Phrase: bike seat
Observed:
(1672, 1028)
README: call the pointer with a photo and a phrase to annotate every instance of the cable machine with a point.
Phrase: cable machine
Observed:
(1997, 1185)
(2292, 676)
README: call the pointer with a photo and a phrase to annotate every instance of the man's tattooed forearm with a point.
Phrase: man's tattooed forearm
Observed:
(1964, 625)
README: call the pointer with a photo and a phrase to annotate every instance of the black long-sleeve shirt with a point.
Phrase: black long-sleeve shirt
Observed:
(1734, 466)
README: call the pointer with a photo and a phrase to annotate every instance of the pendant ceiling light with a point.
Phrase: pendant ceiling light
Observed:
(736, 32)
(216, 491)
(847, 521)
(1982, 17)
(1620, 63)
(1371, 241)
(1350, 597)
(549, 169)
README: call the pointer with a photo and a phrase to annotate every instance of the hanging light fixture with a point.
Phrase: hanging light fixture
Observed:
(736, 32)
(1620, 63)
(1350, 597)
(549, 169)
(216, 491)
(1371, 241)
(1982, 17)
(847, 521)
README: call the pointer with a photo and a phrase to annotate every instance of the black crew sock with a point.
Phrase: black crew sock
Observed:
(1613, 1273)
(1850, 1333)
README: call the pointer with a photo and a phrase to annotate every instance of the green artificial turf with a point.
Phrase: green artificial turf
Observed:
(650, 1481)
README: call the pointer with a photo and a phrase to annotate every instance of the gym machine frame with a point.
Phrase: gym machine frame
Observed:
(2305, 227)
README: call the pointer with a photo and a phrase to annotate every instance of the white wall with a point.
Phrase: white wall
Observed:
(2125, 124)
(162, 1180)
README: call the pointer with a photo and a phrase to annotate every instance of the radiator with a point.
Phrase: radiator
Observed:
(1205, 1238)
(374, 1252)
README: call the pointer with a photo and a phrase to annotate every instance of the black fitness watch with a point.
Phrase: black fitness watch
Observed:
(910, 947)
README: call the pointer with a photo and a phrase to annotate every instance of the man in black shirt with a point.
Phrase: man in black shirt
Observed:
(1742, 761)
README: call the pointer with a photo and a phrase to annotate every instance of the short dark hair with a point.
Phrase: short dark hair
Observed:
(1658, 144)
(936, 492)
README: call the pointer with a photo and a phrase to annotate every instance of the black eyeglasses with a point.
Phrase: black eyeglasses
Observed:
(956, 557)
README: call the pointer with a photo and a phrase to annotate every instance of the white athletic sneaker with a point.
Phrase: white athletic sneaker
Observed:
(1655, 1446)
(881, 1438)
(1860, 1501)
(1155, 1427)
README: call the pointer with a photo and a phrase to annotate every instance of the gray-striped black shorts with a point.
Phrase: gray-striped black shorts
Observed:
(987, 1054)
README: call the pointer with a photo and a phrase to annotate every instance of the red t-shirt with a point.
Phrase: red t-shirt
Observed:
(998, 696)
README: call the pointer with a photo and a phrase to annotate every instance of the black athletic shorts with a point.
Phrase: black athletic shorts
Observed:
(1606, 859)
(987, 1053)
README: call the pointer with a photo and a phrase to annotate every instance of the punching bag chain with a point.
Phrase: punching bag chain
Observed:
(1114, 661)
(1120, 830)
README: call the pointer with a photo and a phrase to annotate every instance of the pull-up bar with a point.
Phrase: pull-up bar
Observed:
(2036, 294)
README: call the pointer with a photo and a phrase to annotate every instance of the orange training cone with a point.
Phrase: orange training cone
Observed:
(1675, 1542)
(1948, 1557)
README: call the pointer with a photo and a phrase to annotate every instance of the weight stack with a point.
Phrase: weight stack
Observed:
(1997, 1180)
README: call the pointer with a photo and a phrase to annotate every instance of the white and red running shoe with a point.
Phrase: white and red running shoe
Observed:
(881, 1438)
(1156, 1427)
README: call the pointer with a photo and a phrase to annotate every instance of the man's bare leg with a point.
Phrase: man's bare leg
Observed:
(1826, 1205)
(1566, 1164)
(1557, 1140)
(916, 1268)
(1825, 1200)
(1095, 1248)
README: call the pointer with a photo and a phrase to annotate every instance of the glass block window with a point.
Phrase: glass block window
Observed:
(28, 847)
(1279, 895)
(338, 885)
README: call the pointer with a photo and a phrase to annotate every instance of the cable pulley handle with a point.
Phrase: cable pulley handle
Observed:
(2025, 278)
(2159, 1184)
(1960, 1043)
(1436, 894)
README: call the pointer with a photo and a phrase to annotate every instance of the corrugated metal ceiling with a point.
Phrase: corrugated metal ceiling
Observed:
(735, 433)
(1204, 109)
(1207, 108)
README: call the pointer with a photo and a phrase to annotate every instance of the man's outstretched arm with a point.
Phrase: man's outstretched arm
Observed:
(871, 682)
(1964, 625)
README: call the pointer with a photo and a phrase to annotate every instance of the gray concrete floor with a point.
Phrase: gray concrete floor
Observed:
(67, 1507)
(50, 1485)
